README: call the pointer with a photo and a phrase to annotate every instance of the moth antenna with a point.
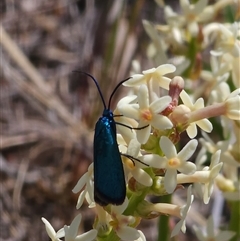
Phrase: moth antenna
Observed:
(96, 83)
(115, 89)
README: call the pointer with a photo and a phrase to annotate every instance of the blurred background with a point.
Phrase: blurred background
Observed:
(48, 112)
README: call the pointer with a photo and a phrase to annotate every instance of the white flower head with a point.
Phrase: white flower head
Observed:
(134, 167)
(229, 42)
(220, 94)
(87, 181)
(154, 74)
(174, 24)
(125, 122)
(183, 212)
(194, 13)
(71, 232)
(224, 146)
(213, 170)
(156, 49)
(204, 124)
(230, 188)
(174, 161)
(53, 235)
(147, 113)
(232, 104)
(120, 223)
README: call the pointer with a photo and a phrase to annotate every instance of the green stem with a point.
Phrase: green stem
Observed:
(134, 201)
(191, 55)
(235, 221)
(112, 236)
(163, 224)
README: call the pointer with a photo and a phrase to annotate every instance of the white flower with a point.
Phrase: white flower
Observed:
(124, 122)
(224, 146)
(174, 24)
(142, 236)
(194, 13)
(147, 113)
(72, 231)
(209, 234)
(207, 177)
(230, 189)
(204, 124)
(173, 161)
(156, 49)
(135, 67)
(201, 158)
(232, 103)
(227, 53)
(87, 181)
(233, 65)
(228, 42)
(214, 169)
(120, 223)
(219, 94)
(154, 74)
(54, 236)
(183, 213)
(132, 167)
(219, 73)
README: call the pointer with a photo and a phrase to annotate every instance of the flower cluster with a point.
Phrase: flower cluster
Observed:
(152, 120)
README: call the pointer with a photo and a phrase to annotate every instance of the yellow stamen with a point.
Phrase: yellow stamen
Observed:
(146, 115)
(174, 162)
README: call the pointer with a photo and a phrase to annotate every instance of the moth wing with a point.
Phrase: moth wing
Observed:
(109, 179)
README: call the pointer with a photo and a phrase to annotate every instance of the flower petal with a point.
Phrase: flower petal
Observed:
(167, 147)
(142, 177)
(154, 160)
(120, 208)
(164, 82)
(205, 125)
(186, 99)
(143, 134)
(81, 182)
(161, 122)
(136, 80)
(127, 233)
(81, 199)
(129, 99)
(187, 168)
(131, 111)
(142, 236)
(143, 97)
(73, 228)
(149, 71)
(165, 69)
(177, 228)
(133, 148)
(188, 150)
(192, 130)
(170, 180)
(159, 105)
(88, 236)
(199, 104)
(50, 230)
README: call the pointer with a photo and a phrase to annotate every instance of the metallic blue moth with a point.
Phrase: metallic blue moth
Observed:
(109, 179)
